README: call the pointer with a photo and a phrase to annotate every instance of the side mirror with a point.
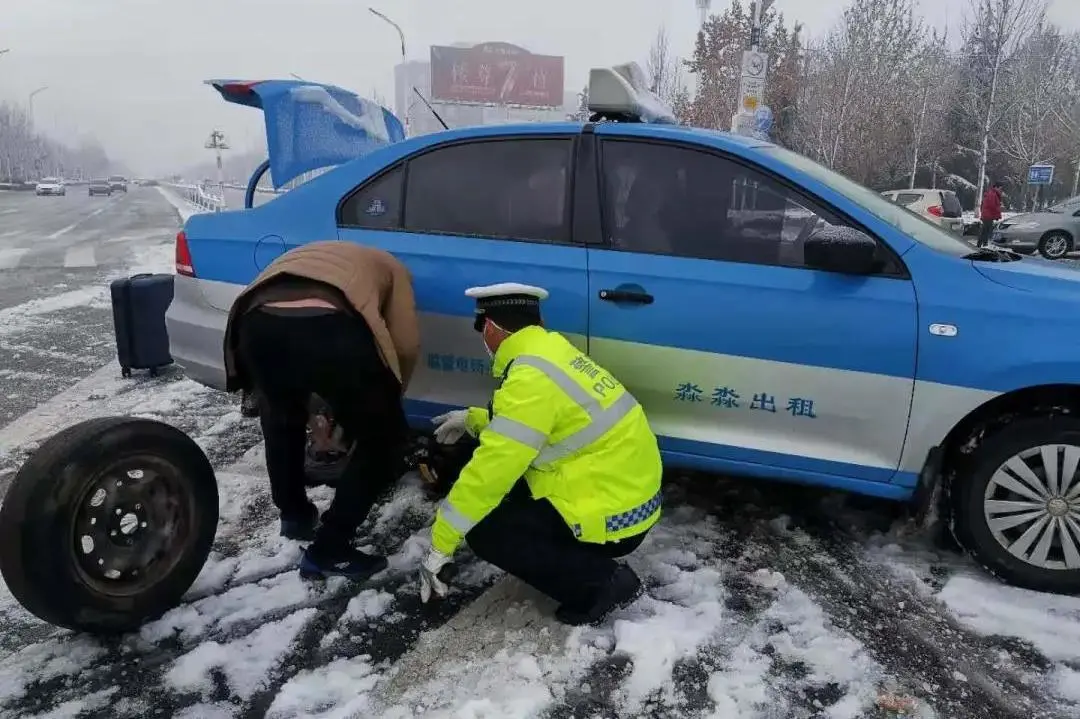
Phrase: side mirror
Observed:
(841, 249)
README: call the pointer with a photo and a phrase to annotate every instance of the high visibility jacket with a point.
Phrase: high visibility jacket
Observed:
(576, 435)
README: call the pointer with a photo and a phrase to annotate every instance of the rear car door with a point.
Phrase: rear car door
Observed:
(701, 304)
(467, 213)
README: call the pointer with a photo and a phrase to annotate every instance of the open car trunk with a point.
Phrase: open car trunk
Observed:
(312, 126)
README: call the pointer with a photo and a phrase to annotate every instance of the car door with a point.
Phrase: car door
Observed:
(700, 302)
(468, 213)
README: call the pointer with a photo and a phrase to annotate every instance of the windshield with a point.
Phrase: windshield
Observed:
(1069, 205)
(912, 225)
(48, 180)
(116, 178)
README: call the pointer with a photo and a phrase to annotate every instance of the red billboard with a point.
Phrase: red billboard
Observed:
(496, 73)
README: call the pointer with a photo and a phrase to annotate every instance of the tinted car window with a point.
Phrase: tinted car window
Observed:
(678, 201)
(908, 198)
(515, 189)
(376, 204)
(918, 229)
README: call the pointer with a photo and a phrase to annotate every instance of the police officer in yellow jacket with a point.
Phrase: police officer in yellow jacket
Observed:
(579, 441)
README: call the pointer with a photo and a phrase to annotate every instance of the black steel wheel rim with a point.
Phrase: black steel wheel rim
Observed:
(133, 523)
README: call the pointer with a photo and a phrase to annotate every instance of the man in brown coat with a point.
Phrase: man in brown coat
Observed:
(338, 320)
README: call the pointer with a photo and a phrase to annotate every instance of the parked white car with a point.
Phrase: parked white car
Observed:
(942, 207)
(50, 186)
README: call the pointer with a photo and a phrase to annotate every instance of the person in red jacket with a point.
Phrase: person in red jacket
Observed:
(989, 213)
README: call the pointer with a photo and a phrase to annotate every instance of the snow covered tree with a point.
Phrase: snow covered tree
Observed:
(1041, 85)
(717, 65)
(993, 36)
(582, 114)
(854, 110)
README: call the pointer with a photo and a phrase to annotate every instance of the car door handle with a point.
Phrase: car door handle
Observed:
(641, 298)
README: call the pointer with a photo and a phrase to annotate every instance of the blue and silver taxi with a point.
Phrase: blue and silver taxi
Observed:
(775, 319)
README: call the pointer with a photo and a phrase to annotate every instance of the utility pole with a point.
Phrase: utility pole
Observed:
(30, 103)
(703, 17)
(404, 59)
(217, 144)
(752, 81)
(1076, 177)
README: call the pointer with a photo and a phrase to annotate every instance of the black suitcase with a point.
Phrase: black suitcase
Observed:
(139, 304)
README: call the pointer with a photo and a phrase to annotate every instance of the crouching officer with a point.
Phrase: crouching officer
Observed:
(589, 462)
(337, 320)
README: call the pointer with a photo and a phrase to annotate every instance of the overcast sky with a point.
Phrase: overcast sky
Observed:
(130, 72)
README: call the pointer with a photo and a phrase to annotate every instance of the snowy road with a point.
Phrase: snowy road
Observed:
(762, 600)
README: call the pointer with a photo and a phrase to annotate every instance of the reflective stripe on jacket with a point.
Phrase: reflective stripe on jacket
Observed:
(576, 435)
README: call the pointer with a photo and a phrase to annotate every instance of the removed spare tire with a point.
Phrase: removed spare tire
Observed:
(108, 524)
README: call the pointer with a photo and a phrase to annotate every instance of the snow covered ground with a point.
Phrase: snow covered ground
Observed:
(763, 601)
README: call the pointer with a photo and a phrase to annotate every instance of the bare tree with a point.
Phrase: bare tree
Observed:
(994, 34)
(858, 91)
(664, 70)
(1041, 86)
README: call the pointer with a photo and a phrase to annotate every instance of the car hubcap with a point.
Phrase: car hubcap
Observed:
(1032, 506)
(131, 527)
(1056, 246)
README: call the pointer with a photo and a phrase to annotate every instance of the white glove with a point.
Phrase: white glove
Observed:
(429, 575)
(450, 427)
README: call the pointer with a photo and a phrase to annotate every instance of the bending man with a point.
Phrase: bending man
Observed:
(588, 463)
(338, 320)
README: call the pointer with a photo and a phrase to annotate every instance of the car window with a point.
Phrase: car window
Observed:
(911, 224)
(376, 204)
(514, 189)
(672, 200)
(908, 198)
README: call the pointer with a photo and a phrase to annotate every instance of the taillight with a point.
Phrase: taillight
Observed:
(183, 256)
(935, 211)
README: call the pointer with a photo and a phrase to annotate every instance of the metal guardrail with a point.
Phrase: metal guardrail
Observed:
(200, 197)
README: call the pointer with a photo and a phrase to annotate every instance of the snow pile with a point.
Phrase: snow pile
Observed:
(246, 663)
(339, 689)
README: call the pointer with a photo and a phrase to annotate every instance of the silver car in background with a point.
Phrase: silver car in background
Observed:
(1052, 232)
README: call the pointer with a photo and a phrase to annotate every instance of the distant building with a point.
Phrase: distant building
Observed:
(417, 73)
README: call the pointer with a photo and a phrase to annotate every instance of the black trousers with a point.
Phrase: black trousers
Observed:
(292, 353)
(528, 538)
(986, 229)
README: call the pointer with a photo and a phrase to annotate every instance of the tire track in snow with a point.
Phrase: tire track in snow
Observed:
(963, 675)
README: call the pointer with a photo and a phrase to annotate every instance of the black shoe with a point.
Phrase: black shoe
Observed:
(349, 563)
(301, 528)
(623, 588)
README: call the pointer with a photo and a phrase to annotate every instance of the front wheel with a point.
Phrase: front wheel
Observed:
(1055, 245)
(1017, 512)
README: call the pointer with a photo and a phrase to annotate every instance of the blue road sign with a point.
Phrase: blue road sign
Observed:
(1040, 174)
(763, 119)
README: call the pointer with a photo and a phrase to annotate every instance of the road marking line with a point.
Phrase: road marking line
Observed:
(12, 211)
(10, 258)
(69, 228)
(80, 256)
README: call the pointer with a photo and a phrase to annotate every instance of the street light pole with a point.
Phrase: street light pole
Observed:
(30, 103)
(404, 56)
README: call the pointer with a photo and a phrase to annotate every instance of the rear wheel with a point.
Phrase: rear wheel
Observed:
(108, 524)
(1055, 245)
(1018, 509)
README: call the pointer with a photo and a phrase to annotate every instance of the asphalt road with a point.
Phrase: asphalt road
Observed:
(763, 600)
(57, 256)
